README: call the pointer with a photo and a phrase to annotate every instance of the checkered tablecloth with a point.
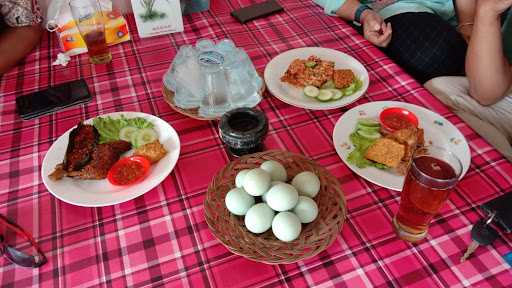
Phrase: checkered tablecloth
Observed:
(161, 238)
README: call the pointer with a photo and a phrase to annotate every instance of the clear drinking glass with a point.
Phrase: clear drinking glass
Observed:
(433, 174)
(91, 24)
(182, 78)
(243, 81)
(215, 102)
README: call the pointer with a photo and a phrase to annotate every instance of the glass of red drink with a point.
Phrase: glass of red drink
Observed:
(433, 174)
(91, 24)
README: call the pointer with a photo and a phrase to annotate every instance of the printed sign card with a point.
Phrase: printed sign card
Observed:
(157, 17)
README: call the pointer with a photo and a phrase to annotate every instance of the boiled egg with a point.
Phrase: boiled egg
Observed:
(259, 218)
(286, 226)
(238, 201)
(307, 183)
(256, 182)
(306, 209)
(272, 184)
(275, 169)
(239, 179)
(282, 197)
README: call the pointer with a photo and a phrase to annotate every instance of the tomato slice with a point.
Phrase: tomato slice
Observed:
(128, 170)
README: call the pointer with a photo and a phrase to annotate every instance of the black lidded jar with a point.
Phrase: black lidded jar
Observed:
(243, 130)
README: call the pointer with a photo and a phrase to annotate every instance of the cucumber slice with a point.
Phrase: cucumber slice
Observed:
(144, 136)
(352, 86)
(310, 64)
(368, 123)
(311, 91)
(369, 135)
(359, 84)
(336, 94)
(328, 85)
(369, 129)
(350, 89)
(126, 133)
(324, 95)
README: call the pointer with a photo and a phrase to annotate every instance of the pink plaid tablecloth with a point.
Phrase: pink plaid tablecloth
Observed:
(162, 238)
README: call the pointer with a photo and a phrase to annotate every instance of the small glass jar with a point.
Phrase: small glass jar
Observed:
(243, 131)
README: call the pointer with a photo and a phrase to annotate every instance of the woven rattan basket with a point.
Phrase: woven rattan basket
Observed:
(314, 238)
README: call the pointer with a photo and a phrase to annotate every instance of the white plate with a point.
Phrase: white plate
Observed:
(98, 193)
(293, 95)
(438, 131)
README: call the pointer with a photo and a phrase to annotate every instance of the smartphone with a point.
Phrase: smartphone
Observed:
(254, 11)
(52, 99)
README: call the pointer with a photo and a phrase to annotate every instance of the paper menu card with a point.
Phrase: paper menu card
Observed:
(157, 17)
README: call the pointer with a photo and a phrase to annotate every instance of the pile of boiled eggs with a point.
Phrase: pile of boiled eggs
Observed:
(283, 206)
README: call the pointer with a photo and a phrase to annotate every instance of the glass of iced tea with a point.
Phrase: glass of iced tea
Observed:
(433, 174)
(91, 24)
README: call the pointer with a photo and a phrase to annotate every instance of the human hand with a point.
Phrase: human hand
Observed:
(375, 29)
(493, 7)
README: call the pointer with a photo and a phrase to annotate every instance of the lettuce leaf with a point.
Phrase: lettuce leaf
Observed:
(109, 128)
(356, 157)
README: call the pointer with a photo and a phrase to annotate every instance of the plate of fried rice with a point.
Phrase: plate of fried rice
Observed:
(302, 77)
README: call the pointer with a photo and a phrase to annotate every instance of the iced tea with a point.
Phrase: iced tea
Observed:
(91, 24)
(428, 184)
(97, 47)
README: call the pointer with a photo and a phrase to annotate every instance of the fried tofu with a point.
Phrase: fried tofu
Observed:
(407, 137)
(386, 151)
(343, 78)
(153, 151)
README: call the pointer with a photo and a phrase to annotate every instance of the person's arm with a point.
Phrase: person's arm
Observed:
(374, 28)
(348, 9)
(465, 16)
(488, 71)
(16, 43)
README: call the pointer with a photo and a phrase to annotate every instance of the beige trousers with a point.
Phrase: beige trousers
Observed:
(494, 123)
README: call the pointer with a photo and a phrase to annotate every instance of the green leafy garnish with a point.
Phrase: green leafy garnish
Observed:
(109, 128)
(310, 64)
(361, 144)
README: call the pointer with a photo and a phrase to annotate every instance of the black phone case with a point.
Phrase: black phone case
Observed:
(259, 10)
(502, 205)
(52, 99)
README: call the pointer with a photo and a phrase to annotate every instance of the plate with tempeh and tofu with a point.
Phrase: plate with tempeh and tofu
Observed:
(381, 155)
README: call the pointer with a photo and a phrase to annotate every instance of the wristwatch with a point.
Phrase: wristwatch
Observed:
(359, 12)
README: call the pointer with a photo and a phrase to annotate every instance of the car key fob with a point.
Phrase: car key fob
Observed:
(482, 234)
(501, 206)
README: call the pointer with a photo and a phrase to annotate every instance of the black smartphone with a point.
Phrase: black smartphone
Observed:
(256, 11)
(52, 99)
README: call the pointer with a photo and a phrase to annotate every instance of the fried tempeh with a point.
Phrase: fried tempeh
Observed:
(386, 151)
(343, 78)
(153, 151)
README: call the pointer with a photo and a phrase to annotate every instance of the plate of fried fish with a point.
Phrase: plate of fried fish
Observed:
(316, 78)
(76, 166)
(365, 142)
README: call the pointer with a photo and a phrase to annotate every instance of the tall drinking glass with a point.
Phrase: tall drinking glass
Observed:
(433, 174)
(91, 24)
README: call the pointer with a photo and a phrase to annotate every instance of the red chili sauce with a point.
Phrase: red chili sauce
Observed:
(396, 121)
(128, 170)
